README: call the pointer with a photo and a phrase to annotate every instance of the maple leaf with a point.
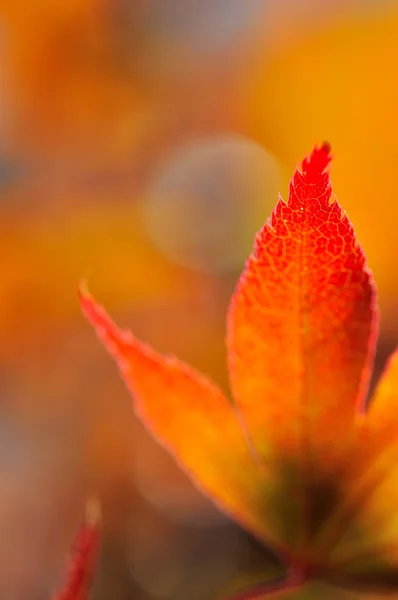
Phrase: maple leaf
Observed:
(83, 557)
(296, 458)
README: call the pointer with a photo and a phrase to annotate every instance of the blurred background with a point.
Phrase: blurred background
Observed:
(142, 144)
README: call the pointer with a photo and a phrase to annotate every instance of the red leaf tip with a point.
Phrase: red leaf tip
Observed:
(82, 289)
(317, 162)
(93, 512)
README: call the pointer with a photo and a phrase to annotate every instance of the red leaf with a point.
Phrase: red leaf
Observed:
(301, 325)
(301, 338)
(83, 558)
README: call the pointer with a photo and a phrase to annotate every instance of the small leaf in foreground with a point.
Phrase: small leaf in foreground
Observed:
(83, 558)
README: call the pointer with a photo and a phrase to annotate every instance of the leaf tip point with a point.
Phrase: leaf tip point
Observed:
(86, 300)
(82, 289)
(319, 159)
(93, 512)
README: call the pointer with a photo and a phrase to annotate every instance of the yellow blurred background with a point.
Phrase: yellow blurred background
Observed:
(142, 144)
